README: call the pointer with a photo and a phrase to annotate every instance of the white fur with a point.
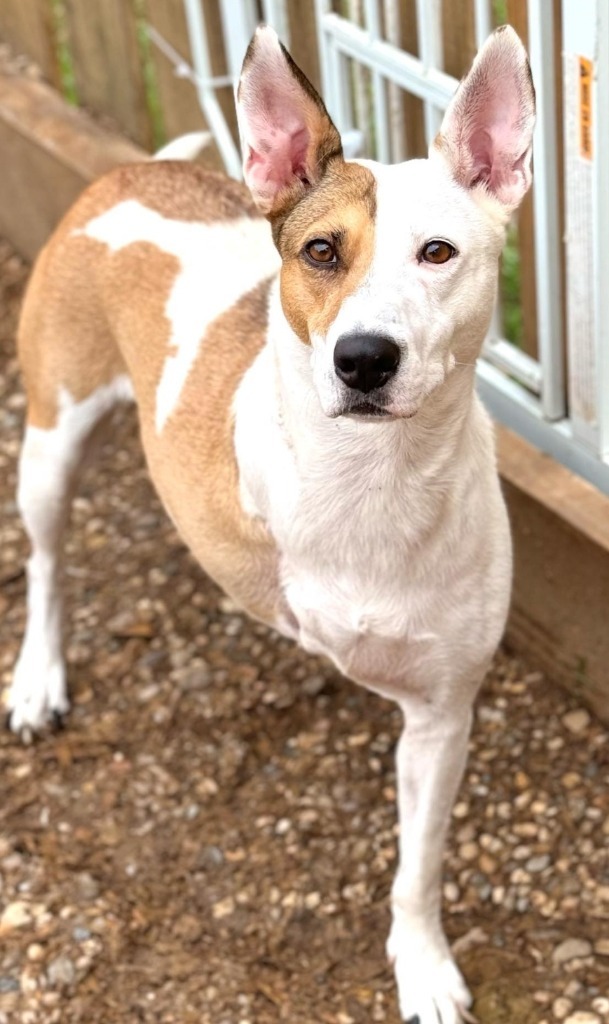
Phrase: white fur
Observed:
(426, 309)
(220, 262)
(393, 540)
(395, 563)
(49, 460)
(185, 147)
(393, 537)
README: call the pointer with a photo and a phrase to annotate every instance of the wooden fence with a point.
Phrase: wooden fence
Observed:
(98, 54)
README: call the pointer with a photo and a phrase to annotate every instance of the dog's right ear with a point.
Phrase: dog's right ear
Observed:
(487, 131)
(287, 136)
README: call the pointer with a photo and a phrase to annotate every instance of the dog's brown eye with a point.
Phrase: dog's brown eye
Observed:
(437, 251)
(320, 251)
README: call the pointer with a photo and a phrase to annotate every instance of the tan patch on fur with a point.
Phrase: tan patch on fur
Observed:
(176, 189)
(91, 314)
(192, 461)
(65, 338)
(341, 210)
(194, 467)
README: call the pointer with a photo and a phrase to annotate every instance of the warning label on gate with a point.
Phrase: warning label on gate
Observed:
(579, 168)
(586, 68)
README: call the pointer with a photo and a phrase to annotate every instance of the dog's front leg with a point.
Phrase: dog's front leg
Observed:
(430, 761)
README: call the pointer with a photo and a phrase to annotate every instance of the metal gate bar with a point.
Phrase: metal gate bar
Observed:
(526, 394)
(547, 211)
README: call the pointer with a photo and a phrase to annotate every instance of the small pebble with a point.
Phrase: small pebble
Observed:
(451, 892)
(571, 949)
(223, 908)
(61, 971)
(15, 915)
(8, 984)
(561, 1007)
(576, 721)
(539, 863)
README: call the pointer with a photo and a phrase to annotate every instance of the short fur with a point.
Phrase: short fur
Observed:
(369, 527)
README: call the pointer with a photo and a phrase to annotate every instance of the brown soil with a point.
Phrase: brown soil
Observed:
(212, 837)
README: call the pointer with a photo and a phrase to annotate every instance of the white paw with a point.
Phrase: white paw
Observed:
(431, 989)
(37, 697)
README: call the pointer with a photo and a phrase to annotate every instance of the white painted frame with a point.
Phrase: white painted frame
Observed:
(526, 394)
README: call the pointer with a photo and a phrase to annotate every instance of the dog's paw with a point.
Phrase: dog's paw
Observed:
(37, 697)
(435, 996)
(431, 989)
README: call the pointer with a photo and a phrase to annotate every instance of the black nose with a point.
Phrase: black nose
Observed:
(365, 361)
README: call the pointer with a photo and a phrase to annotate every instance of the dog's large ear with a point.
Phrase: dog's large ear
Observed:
(287, 136)
(487, 131)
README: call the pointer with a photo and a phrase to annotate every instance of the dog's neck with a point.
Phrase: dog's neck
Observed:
(427, 444)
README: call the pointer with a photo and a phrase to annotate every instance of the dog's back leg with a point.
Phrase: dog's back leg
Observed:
(61, 428)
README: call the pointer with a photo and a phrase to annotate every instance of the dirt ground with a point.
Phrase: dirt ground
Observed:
(211, 839)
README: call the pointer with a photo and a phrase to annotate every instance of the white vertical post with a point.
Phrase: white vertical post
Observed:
(238, 26)
(205, 92)
(431, 54)
(361, 92)
(396, 106)
(581, 114)
(326, 56)
(335, 81)
(275, 13)
(381, 119)
(483, 21)
(547, 210)
(600, 222)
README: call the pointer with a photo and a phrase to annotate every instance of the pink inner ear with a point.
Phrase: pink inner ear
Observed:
(496, 160)
(481, 150)
(494, 127)
(489, 125)
(280, 156)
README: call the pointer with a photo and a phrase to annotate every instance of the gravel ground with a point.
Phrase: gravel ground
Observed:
(212, 837)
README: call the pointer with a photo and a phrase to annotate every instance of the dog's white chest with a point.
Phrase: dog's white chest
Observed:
(389, 577)
(367, 635)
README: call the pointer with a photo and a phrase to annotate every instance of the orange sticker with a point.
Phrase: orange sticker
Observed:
(586, 69)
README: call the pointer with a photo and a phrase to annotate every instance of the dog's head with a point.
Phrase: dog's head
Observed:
(389, 273)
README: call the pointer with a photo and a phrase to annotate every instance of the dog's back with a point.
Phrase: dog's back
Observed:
(155, 285)
(354, 461)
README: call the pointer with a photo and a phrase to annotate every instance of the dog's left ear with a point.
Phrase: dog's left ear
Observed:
(287, 136)
(487, 131)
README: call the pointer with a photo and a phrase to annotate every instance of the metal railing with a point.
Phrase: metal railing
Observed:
(563, 413)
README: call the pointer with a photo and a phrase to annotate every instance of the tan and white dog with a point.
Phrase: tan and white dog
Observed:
(308, 413)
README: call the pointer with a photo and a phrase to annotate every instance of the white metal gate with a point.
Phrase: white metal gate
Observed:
(562, 412)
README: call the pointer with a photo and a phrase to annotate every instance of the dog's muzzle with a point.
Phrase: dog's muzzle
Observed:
(365, 362)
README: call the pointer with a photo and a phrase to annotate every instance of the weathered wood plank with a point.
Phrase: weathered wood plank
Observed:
(560, 527)
(51, 151)
(414, 125)
(219, 66)
(107, 65)
(458, 36)
(178, 98)
(303, 39)
(517, 16)
(27, 26)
